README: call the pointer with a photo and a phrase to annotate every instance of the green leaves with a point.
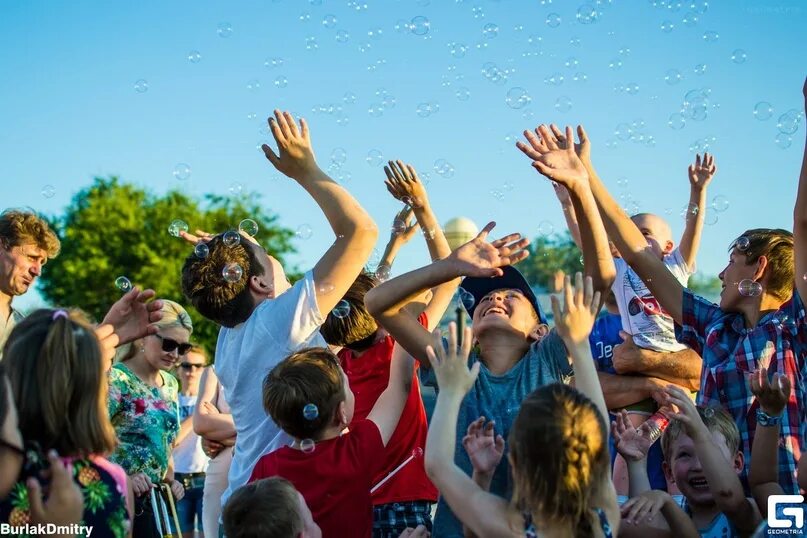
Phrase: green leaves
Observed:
(549, 254)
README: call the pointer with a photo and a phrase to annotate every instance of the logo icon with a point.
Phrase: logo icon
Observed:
(786, 517)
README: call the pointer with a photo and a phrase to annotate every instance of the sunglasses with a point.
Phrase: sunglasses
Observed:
(189, 365)
(170, 345)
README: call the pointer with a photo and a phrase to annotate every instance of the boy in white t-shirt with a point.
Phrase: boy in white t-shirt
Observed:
(237, 284)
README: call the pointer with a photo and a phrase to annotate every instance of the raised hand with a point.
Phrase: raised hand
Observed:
(295, 157)
(196, 237)
(580, 305)
(702, 171)
(644, 507)
(404, 225)
(632, 443)
(772, 396)
(404, 184)
(134, 315)
(108, 341)
(553, 157)
(479, 258)
(483, 446)
(683, 409)
(451, 365)
(583, 149)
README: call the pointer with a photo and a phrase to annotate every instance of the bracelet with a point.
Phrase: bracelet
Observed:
(766, 420)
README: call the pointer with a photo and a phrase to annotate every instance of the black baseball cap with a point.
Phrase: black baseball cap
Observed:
(512, 279)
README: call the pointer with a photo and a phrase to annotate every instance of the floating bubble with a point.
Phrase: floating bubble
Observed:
(788, 123)
(375, 157)
(141, 86)
(182, 171)
(478, 12)
(783, 141)
(580, 77)
(667, 26)
(739, 56)
(708, 412)
(376, 110)
(517, 97)
(457, 50)
(281, 81)
(201, 250)
(490, 30)
(700, 69)
(305, 16)
(194, 57)
(575, 41)
(236, 188)
(342, 36)
(48, 191)
(398, 226)
(720, 203)
(465, 298)
(311, 43)
(632, 88)
(553, 20)
(224, 29)
(339, 155)
(463, 93)
(587, 14)
(690, 19)
(231, 238)
(417, 452)
(546, 228)
(382, 273)
(443, 168)
(673, 76)
(123, 284)
(742, 243)
(749, 288)
(690, 211)
(711, 218)
(249, 227)
(232, 272)
(329, 21)
(676, 121)
(711, 36)
(273, 63)
(375, 33)
(763, 110)
(571, 62)
(310, 411)
(177, 226)
(307, 446)
(623, 131)
(419, 25)
(563, 104)
(304, 231)
(341, 310)
(349, 98)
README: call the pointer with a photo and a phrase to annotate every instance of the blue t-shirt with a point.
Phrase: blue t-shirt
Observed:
(499, 397)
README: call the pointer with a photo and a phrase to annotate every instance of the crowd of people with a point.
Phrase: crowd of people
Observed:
(662, 415)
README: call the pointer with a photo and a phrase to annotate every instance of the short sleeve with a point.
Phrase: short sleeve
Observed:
(368, 450)
(678, 266)
(697, 315)
(293, 316)
(552, 350)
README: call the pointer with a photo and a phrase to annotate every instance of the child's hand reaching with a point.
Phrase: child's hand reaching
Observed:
(702, 171)
(451, 365)
(644, 507)
(773, 395)
(404, 226)
(480, 258)
(485, 449)
(554, 158)
(404, 184)
(580, 305)
(632, 443)
(295, 157)
(683, 409)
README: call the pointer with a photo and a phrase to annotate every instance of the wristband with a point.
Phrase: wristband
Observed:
(765, 420)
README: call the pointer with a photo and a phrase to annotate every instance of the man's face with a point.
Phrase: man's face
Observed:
(505, 309)
(19, 267)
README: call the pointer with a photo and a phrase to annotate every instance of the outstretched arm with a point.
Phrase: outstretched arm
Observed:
(403, 229)
(568, 212)
(355, 230)
(208, 421)
(700, 174)
(681, 368)
(800, 222)
(388, 407)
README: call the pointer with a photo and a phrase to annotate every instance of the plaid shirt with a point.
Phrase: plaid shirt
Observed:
(731, 352)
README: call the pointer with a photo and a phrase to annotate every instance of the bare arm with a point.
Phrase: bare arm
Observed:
(355, 230)
(800, 222)
(215, 426)
(623, 390)
(700, 174)
(680, 367)
(568, 213)
(185, 427)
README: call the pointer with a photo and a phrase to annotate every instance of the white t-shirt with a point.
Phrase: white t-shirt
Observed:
(188, 455)
(246, 353)
(642, 315)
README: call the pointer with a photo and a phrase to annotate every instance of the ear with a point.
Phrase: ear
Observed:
(739, 462)
(668, 247)
(762, 264)
(341, 418)
(667, 472)
(538, 333)
(260, 286)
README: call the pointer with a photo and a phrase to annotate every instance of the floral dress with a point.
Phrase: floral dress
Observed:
(146, 421)
(104, 487)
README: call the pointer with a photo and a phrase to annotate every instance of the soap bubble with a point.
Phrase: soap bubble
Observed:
(763, 110)
(398, 226)
(232, 272)
(342, 36)
(194, 57)
(742, 243)
(201, 250)
(632, 88)
(48, 191)
(571, 62)
(739, 56)
(587, 14)
(463, 93)
(304, 231)
(273, 63)
(478, 12)
(667, 27)
(517, 97)
(465, 298)
(375, 157)
(307, 446)
(720, 203)
(690, 211)
(249, 227)
(382, 273)
(225, 29)
(490, 30)
(310, 411)
(690, 19)
(329, 21)
(708, 412)
(700, 69)
(231, 238)
(349, 98)
(580, 77)
(546, 228)
(553, 20)
(563, 103)
(311, 43)
(182, 171)
(711, 218)
(788, 123)
(623, 131)
(711, 36)
(281, 81)
(749, 288)
(177, 226)
(676, 121)
(419, 25)
(236, 188)
(339, 155)
(123, 284)
(673, 76)
(341, 310)
(783, 141)
(141, 86)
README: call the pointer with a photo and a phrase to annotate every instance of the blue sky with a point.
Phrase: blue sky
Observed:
(70, 109)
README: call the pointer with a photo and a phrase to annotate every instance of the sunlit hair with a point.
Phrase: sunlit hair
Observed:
(777, 246)
(226, 303)
(559, 454)
(358, 327)
(266, 508)
(310, 376)
(54, 363)
(21, 227)
(174, 315)
(716, 419)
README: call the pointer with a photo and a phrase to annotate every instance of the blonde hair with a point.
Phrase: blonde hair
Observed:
(174, 315)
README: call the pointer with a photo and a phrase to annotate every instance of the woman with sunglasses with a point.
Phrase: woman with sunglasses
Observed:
(143, 407)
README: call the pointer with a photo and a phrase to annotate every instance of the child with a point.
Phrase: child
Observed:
(518, 351)
(702, 458)
(558, 442)
(758, 305)
(308, 395)
(405, 499)
(263, 317)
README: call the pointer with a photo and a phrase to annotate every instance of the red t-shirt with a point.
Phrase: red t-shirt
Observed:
(335, 479)
(369, 376)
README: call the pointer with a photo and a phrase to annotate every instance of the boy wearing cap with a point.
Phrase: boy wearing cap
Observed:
(517, 351)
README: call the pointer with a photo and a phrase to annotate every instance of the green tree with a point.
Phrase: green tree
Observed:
(705, 285)
(549, 254)
(113, 229)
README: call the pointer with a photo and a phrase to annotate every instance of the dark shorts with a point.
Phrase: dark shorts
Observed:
(390, 520)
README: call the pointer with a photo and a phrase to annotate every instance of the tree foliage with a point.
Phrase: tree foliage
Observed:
(113, 229)
(549, 254)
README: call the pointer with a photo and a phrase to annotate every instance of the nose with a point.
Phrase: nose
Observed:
(722, 274)
(36, 269)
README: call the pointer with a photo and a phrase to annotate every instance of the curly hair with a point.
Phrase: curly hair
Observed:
(556, 479)
(19, 227)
